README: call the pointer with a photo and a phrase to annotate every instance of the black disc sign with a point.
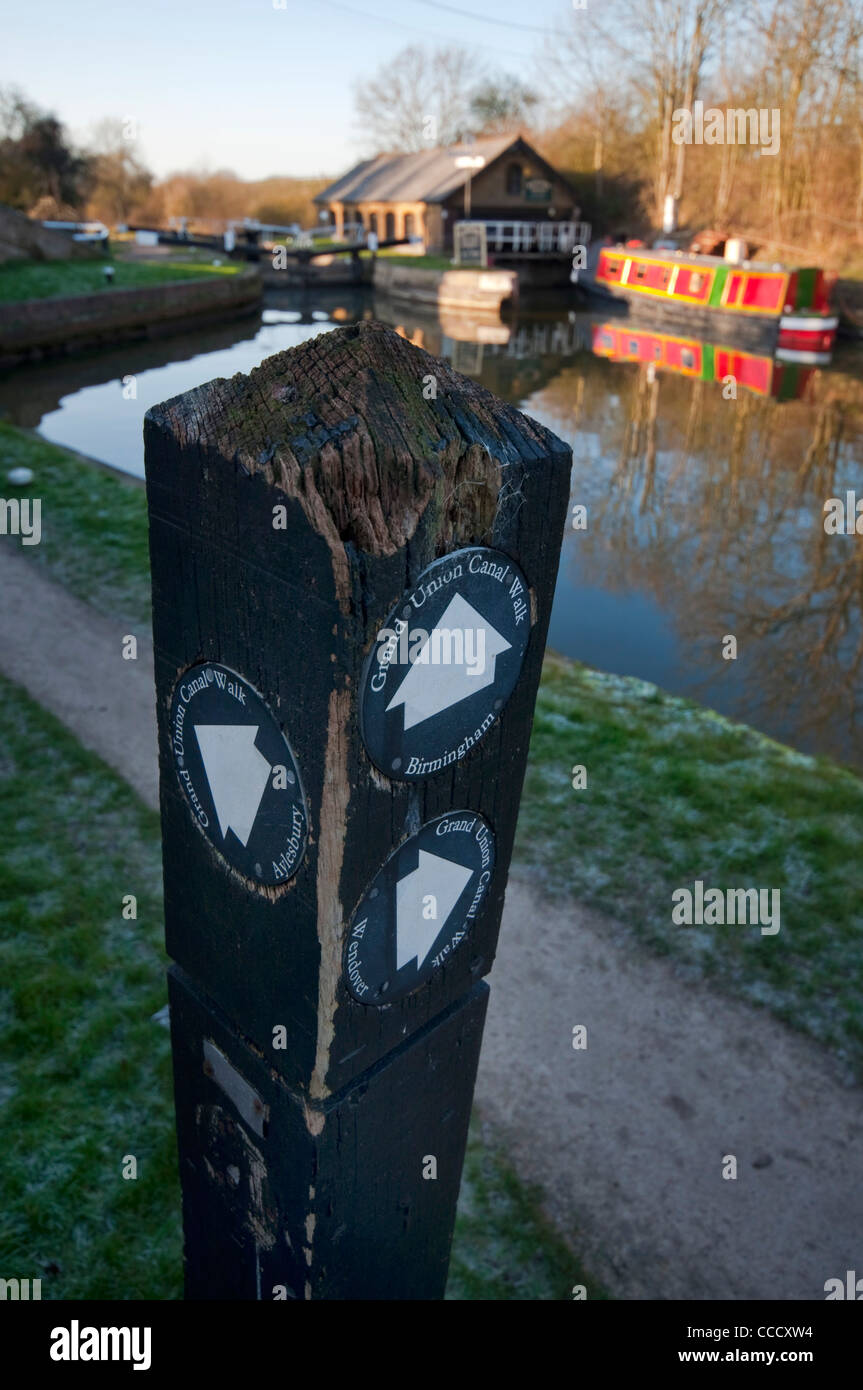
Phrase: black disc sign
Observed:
(238, 773)
(445, 663)
(419, 908)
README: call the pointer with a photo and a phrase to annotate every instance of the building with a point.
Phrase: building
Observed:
(425, 193)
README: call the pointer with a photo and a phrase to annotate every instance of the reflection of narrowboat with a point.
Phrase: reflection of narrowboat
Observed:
(768, 306)
(784, 376)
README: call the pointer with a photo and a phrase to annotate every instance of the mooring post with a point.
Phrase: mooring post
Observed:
(354, 554)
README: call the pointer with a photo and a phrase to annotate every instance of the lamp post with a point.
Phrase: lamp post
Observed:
(469, 162)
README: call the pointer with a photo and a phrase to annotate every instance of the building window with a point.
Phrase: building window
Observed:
(390, 224)
(373, 222)
(514, 180)
(409, 224)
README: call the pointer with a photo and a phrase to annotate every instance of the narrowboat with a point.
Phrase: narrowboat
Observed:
(767, 306)
(784, 376)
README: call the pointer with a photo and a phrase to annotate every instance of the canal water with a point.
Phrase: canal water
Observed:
(704, 509)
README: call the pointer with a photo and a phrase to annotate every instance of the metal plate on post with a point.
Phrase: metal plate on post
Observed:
(445, 663)
(419, 908)
(238, 774)
(249, 1104)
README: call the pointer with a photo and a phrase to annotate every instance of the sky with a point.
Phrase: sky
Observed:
(258, 86)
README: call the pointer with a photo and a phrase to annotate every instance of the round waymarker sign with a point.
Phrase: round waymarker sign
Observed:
(445, 663)
(419, 908)
(238, 773)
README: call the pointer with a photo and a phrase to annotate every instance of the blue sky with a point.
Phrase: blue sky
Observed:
(241, 84)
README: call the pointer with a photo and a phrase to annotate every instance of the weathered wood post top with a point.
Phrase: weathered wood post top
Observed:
(354, 552)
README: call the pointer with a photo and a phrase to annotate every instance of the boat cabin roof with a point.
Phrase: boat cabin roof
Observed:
(696, 257)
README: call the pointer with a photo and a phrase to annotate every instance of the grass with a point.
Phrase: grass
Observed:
(94, 525)
(504, 1247)
(85, 1071)
(22, 280)
(675, 792)
(424, 262)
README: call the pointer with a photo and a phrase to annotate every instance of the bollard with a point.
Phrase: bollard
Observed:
(354, 552)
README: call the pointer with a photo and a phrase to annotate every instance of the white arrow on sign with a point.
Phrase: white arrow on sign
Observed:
(237, 772)
(433, 877)
(432, 686)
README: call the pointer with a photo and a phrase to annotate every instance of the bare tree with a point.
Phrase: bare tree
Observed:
(658, 52)
(810, 71)
(419, 99)
(120, 180)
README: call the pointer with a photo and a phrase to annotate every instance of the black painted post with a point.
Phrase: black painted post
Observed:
(354, 553)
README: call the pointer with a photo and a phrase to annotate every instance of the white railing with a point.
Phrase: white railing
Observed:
(536, 236)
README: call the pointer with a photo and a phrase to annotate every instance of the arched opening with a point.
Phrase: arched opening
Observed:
(390, 226)
(514, 180)
(409, 224)
(373, 222)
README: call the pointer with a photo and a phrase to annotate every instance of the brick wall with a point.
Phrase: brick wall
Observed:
(36, 326)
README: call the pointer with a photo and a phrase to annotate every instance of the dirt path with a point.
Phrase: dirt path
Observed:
(70, 659)
(626, 1138)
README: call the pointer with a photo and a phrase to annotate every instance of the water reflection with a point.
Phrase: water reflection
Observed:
(710, 511)
(705, 510)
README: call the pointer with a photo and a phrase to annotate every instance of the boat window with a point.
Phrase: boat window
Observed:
(657, 350)
(633, 345)
(696, 280)
(613, 267)
(606, 340)
(639, 272)
(687, 357)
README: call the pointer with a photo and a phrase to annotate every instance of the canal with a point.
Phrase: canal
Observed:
(704, 501)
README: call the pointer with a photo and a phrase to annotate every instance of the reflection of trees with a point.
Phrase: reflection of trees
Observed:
(639, 439)
(715, 508)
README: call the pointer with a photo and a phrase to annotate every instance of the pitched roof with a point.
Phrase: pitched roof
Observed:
(427, 176)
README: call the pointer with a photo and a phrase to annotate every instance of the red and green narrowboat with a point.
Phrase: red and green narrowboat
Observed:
(768, 306)
(782, 376)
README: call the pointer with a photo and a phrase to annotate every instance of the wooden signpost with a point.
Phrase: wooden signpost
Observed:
(354, 554)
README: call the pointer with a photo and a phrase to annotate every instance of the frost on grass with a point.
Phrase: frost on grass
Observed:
(677, 793)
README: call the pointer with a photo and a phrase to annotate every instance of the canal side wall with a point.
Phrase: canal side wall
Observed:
(324, 272)
(42, 327)
(456, 289)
